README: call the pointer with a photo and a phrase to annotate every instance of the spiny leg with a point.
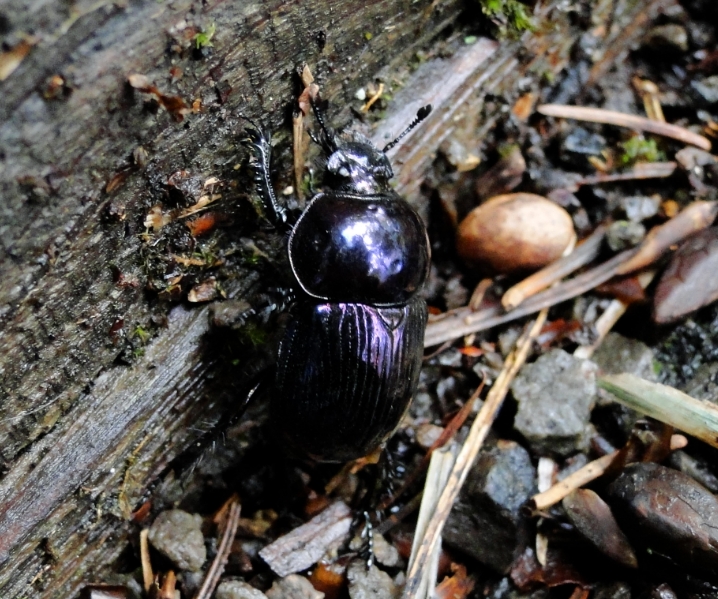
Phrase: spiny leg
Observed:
(259, 143)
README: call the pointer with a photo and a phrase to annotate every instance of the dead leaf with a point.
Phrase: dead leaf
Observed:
(11, 60)
(204, 292)
(457, 586)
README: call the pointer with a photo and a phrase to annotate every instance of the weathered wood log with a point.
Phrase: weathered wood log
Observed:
(85, 426)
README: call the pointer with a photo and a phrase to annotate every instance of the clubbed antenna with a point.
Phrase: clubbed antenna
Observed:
(421, 114)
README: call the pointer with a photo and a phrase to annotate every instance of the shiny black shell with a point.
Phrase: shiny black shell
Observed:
(364, 249)
(346, 373)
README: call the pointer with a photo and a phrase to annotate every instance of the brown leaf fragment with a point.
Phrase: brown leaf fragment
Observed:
(206, 291)
(156, 219)
(310, 93)
(175, 105)
(305, 545)
(140, 83)
(329, 579)
(203, 223)
(524, 106)
(627, 289)
(690, 281)
(526, 570)
(117, 180)
(695, 217)
(457, 586)
(594, 521)
(11, 60)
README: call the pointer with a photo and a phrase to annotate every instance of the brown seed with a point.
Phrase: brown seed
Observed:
(594, 520)
(515, 232)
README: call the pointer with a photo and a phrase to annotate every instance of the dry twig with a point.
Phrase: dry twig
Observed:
(610, 317)
(695, 217)
(584, 253)
(460, 322)
(581, 477)
(642, 170)
(470, 449)
(631, 121)
(148, 576)
(211, 579)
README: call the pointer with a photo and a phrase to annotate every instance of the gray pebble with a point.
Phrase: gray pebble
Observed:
(555, 396)
(486, 521)
(385, 553)
(177, 535)
(371, 583)
(293, 586)
(238, 589)
(707, 89)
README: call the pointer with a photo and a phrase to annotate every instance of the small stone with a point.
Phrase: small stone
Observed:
(624, 234)
(360, 94)
(666, 513)
(370, 583)
(706, 89)
(613, 590)
(640, 208)
(178, 536)
(385, 553)
(427, 434)
(670, 38)
(620, 354)
(293, 586)
(615, 355)
(555, 396)
(485, 522)
(459, 156)
(582, 142)
(238, 589)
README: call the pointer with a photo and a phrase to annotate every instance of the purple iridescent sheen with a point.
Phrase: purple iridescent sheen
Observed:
(347, 373)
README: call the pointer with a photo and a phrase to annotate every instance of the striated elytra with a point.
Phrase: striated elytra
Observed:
(349, 361)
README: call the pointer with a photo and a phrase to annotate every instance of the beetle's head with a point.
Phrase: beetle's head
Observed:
(359, 167)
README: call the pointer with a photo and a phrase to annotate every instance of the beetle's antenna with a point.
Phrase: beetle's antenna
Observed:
(329, 135)
(421, 114)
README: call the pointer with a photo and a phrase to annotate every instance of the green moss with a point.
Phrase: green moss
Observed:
(505, 150)
(639, 149)
(204, 38)
(511, 16)
(253, 334)
(142, 334)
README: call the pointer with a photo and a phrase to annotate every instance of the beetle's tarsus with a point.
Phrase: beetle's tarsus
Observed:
(367, 534)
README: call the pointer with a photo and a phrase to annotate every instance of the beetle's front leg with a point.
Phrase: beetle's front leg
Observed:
(259, 143)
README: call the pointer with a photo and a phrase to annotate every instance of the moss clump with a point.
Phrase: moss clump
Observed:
(510, 16)
(639, 149)
(203, 39)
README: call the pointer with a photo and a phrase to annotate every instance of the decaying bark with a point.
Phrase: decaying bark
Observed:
(85, 429)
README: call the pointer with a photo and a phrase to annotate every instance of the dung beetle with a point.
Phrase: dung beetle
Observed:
(348, 363)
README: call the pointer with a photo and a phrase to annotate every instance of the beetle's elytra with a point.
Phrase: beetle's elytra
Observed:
(348, 364)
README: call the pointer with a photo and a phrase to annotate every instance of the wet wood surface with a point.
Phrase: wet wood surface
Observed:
(85, 431)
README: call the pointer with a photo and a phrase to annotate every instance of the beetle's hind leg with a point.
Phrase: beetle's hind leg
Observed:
(259, 143)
